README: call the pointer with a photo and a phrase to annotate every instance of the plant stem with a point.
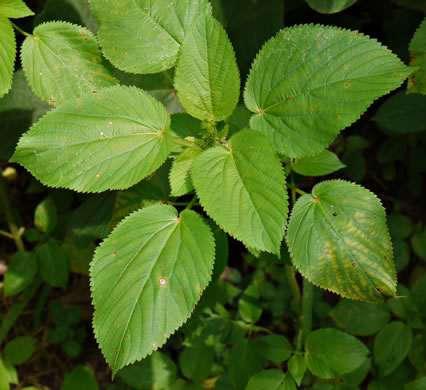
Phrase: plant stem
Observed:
(4, 195)
(294, 286)
(191, 203)
(307, 303)
(17, 28)
(182, 142)
(295, 190)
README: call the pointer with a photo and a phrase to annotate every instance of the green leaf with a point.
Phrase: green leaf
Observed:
(207, 78)
(417, 49)
(62, 61)
(391, 346)
(330, 6)
(45, 217)
(4, 382)
(249, 24)
(402, 114)
(124, 142)
(222, 249)
(331, 353)
(80, 378)
(92, 220)
(52, 264)
(418, 242)
(14, 9)
(20, 273)
(322, 164)
(355, 378)
(297, 368)
(7, 55)
(401, 250)
(159, 85)
(271, 380)
(310, 81)
(196, 362)
(274, 347)
(152, 190)
(184, 125)
(159, 26)
(21, 98)
(400, 226)
(244, 362)
(338, 240)
(180, 179)
(360, 318)
(156, 371)
(248, 305)
(19, 350)
(146, 279)
(418, 384)
(249, 201)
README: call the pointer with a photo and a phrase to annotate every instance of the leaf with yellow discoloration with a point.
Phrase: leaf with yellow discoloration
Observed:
(338, 240)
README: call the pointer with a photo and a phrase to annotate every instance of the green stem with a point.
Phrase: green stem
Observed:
(295, 190)
(17, 28)
(182, 142)
(4, 196)
(191, 203)
(6, 234)
(307, 303)
(294, 286)
(306, 317)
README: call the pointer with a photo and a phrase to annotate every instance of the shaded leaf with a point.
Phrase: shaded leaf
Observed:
(360, 318)
(322, 164)
(249, 201)
(274, 347)
(331, 353)
(52, 264)
(20, 273)
(156, 265)
(417, 49)
(248, 305)
(159, 26)
(19, 350)
(330, 6)
(271, 380)
(338, 240)
(80, 378)
(45, 216)
(402, 114)
(297, 368)
(156, 371)
(124, 142)
(312, 81)
(180, 178)
(391, 346)
(207, 78)
(196, 362)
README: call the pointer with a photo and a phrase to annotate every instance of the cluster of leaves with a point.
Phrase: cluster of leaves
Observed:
(106, 119)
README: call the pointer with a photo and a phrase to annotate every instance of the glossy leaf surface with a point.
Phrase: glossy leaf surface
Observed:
(331, 353)
(338, 240)
(7, 55)
(71, 147)
(311, 81)
(144, 36)
(249, 200)
(146, 279)
(207, 78)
